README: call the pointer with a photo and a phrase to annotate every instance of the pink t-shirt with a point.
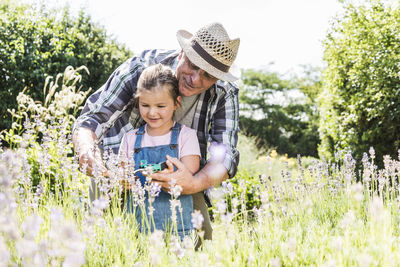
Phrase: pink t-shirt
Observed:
(188, 143)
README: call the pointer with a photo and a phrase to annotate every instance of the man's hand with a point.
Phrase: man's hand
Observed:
(182, 176)
(169, 169)
(89, 156)
(210, 175)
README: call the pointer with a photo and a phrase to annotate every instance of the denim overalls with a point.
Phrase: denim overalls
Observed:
(162, 207)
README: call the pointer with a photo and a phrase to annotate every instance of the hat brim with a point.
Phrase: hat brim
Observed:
(184, 39)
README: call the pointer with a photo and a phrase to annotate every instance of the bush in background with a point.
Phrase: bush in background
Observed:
(36, 42)
(360, 105)
(280, 113)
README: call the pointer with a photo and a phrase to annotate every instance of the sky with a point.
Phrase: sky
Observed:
(278, 35)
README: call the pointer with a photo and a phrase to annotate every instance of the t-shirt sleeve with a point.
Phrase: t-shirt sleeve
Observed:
(126, 148)
(188, 142)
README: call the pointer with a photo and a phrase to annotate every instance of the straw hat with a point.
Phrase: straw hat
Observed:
(211, 50)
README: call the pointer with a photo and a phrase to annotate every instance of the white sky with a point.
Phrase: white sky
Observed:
(285, 32)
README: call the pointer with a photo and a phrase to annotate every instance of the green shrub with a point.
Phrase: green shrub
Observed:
(287, 124)
(360, 105)
(37, 42)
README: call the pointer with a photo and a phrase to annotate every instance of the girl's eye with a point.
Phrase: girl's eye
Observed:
(144, 105)
(161, 106)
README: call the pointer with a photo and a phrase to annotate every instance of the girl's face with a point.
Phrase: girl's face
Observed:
(157, 108)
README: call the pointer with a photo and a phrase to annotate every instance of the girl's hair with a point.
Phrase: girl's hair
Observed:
(155, 77)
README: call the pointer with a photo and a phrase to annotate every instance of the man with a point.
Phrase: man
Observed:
(204, 68)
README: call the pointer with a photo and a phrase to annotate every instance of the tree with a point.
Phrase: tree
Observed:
(278, 112)
(360, 105)
(36, 42)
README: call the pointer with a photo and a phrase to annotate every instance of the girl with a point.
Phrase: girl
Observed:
(158, 97)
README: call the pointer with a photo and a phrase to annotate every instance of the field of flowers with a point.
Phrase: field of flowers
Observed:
(312, 213)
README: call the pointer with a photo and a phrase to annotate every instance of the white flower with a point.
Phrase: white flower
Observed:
(216, 193)
(188, 243)
(156, 239)
(154, 190)
(331, 263)
(372, 152)
(31, 226)
(118, 221)
(365, 259)
(228, 187)
(337, 243)
(101, 223)
(227, 218)
(221, 206)
(250, 260)
(357, 191)
(235, 204)
(77, 258)
(175, 203)
(275, 262)
(176, 191)
(26, 249)
(100, 203)
(348, 219)
(176, 247)
(204, 259)
(197, 219)
(376, 207)
(291, 245)
(155, 259)
(56, 215)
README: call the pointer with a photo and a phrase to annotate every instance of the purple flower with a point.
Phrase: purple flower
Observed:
(197, 219)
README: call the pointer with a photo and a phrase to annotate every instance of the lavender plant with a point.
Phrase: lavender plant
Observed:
(319, 213)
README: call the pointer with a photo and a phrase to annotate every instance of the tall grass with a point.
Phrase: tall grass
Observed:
(314, 214)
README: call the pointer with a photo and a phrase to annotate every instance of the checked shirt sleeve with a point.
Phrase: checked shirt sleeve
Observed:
(108, 103)
(225, 127)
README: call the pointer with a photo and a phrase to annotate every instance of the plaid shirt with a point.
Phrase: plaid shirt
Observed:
(111, 111)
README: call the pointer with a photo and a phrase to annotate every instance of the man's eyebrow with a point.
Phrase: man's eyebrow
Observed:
(196, 67)
(193, 65)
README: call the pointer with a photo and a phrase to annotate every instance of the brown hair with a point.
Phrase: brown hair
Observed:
(155, 76)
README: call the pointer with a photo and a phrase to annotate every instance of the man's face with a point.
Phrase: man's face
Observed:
(192, 79)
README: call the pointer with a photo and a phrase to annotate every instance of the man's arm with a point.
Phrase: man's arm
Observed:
(101, 110)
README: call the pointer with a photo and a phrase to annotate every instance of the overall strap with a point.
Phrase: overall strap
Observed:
(138, 141)
(174, 135)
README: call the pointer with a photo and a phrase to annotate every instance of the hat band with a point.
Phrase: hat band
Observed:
(207, 57)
